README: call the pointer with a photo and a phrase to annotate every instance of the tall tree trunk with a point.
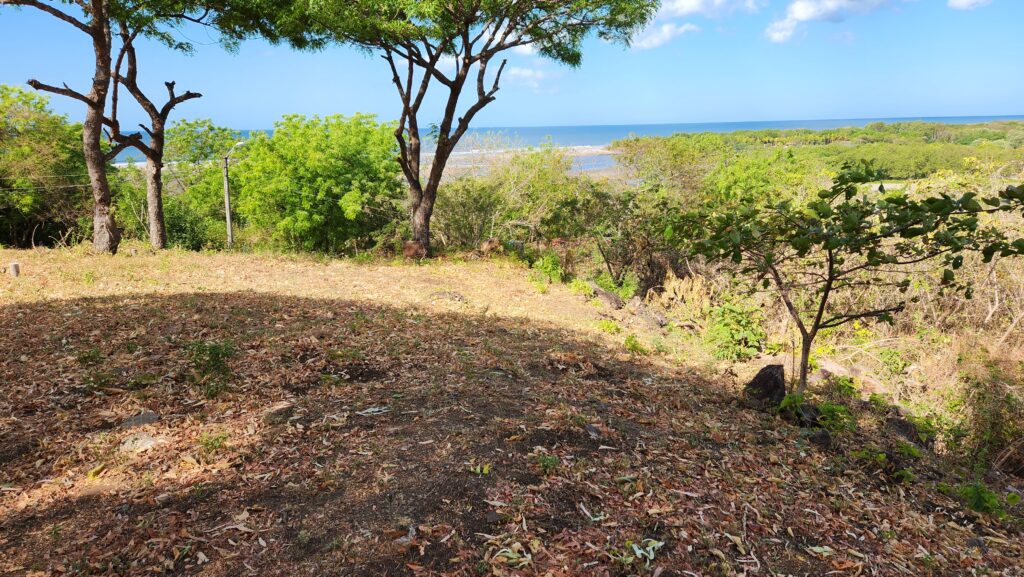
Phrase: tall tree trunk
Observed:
(155, 204)
(421, 214)
(155, 188)
(106, 236)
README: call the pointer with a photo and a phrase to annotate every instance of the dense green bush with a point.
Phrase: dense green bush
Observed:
(469, 211)
(534, 196)
(321, 184)
(678, 163)
(44, 188)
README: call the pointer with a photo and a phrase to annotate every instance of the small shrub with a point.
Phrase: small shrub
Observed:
(627, 287)
(893, 362)
(905, 476)
(99, 380)
(870, 456)
(791, 403)
(547, 464)
(879, 402)
(141, 381)
(90, 357)
(991, 413)
(214, 389)
(836, 418)
(846, 387)
(548, 268)
(633, 345)
(908, 450)
(609, 326)
(735, 332)
(580, 287)
(211, 443)
(210, 358)
(978, 497)
(927, 430)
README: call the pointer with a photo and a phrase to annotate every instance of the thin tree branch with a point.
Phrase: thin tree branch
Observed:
(65, 91)
(51, 11)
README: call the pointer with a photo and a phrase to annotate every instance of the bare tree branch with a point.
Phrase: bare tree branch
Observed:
(65, 91)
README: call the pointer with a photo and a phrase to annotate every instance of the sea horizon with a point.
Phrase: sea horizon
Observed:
(497, 138)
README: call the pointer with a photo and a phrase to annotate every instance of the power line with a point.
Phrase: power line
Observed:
(12, 190)
(43, 176)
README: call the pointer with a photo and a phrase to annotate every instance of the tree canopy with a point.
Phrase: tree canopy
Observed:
(454, 44)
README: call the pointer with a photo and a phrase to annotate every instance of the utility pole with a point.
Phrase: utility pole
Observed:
(227, 202)
(227, 194)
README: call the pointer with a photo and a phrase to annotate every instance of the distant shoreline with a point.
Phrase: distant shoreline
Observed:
(595, 140)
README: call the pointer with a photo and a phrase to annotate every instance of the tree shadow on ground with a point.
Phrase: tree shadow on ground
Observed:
(304, 436)
(353, 438)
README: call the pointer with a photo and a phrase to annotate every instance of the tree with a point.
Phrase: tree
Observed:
(825, 257)
(43, 191)
(421, 39)
(97, 19)
(153, 149)
(95, 23)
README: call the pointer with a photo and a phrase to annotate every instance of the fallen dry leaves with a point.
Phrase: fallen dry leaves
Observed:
(352, 435)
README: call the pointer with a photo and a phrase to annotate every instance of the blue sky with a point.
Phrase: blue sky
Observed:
(701, 61)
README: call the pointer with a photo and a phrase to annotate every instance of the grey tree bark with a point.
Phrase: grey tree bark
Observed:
(106, 235)
(154, 150)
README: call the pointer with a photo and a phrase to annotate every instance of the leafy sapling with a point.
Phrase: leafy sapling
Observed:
(820, 255)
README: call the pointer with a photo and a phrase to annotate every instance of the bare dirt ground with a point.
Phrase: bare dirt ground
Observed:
(188, 414)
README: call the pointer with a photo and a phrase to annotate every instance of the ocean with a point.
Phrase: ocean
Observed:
(599, 135)
(490, 139)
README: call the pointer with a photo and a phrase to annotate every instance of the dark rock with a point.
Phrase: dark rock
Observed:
(609, 298)
(767, 388)
(493, 517)
(144, 418)
(819, 438)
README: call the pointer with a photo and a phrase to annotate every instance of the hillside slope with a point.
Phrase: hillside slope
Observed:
(241, 415)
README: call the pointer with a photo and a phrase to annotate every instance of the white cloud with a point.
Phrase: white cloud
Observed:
(683, 8)
(525, 49)
(532, 77)
(801, 11)
(968, 4)
(659, 35)
(668, 25)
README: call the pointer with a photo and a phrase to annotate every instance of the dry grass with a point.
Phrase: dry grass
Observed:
(443, 419)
